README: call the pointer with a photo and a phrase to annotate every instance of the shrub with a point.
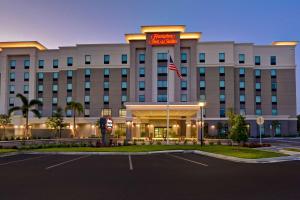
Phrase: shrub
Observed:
(211, 143)
(219, 142)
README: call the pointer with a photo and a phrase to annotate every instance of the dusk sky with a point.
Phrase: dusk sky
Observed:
(68, 22)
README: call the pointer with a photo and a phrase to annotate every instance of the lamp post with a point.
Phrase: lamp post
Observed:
(201, 104)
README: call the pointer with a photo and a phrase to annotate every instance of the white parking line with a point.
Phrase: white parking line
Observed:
(192, 161)
(16, 161)
(130, 162)
(65, 162)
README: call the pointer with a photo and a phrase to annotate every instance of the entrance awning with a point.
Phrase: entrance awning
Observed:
(157, 109)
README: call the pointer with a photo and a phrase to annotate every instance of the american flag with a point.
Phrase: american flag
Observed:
(173, 67)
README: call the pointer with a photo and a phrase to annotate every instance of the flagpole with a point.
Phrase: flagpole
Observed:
(168, 111)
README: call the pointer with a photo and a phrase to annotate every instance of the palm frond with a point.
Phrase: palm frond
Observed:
(23, 99)
(36, 113)
(35, 102)
(13, 109)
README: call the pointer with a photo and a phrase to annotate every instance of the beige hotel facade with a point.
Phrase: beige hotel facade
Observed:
(129, 83)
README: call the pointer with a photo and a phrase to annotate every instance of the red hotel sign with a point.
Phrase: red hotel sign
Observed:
(163, 39)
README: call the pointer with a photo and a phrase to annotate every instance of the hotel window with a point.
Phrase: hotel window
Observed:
(202, 97)
(162, 84)
(26, 76)
(69, 87)
(106, 59)
(202, 84)
(124, 72)
(11, 101)
(55, 88)
(162, 57)
(241, 58)
(26, 64)
(69, 74)
(183, 98)
(12, 76)
(221, 71)
(242, 85)
(202, 57)
(69, 113)
(69, 99)
(86, 112)
(70, 61)
(242, 98)
(141, 58)
(183, 58)
(41, 64)
(87, 99)
(13, 64)
(274, 112)
(40, 88)
(40, 76)
(183, 85)
(87, 72)
(124, 85)
(258, 86)
(55, 76)
(162, 70)
(88, 59)
(257, 99)
(274, 99)
(40, 99)
(122, 112)
(162, 98)
(222, 98)
(141, 85)
(124, 58)
(202, 71)
(124, 98)
(273, 73)
(87, 85)
(142, 72)
(106, 99)
(257, 73)
(55, 63)
(257, 60)
(242, 72)
(106, 85)
(222, 84)
(273, 60)
(141, 98)
(106, 112)
(258, 112)
(11, 89)
(274, 86)
(242, 112)
(222, 57)
(54, 100)
(106, 72)
(222, 112)
(183, 71)
(26, 89)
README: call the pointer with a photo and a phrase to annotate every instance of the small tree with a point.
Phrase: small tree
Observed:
(275, 124)
(298, 123)
(76, 107)
(238, 131)
(4, 122)
(231, 116)
(56, 122)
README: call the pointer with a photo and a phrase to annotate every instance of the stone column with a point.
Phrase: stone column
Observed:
(188, 128)
(137, 130)
(129, 125)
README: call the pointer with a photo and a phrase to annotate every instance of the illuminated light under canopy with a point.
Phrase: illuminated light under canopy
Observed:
(285, 43)
(135, 37)
(24, 44)
(188, 36)
(160, 29)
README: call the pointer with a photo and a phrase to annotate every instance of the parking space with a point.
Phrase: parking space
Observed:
(159, 176)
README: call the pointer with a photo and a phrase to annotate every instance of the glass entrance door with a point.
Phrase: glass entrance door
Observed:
(160, 132)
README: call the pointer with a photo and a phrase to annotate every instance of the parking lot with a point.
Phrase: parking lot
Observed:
(160, 176)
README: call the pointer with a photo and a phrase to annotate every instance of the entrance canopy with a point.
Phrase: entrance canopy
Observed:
(159, 110)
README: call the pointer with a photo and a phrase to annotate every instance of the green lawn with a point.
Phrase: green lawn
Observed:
(292, 149)
(7, 150)
(240, 152)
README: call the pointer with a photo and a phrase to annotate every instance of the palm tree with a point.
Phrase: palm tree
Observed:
(56, 122)
(76, 107)
(27, 106)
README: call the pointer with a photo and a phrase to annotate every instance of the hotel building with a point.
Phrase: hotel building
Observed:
(129, 83)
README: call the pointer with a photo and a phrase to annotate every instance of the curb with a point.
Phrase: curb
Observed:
(294, 153)
(10, 154)
(223, 157)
